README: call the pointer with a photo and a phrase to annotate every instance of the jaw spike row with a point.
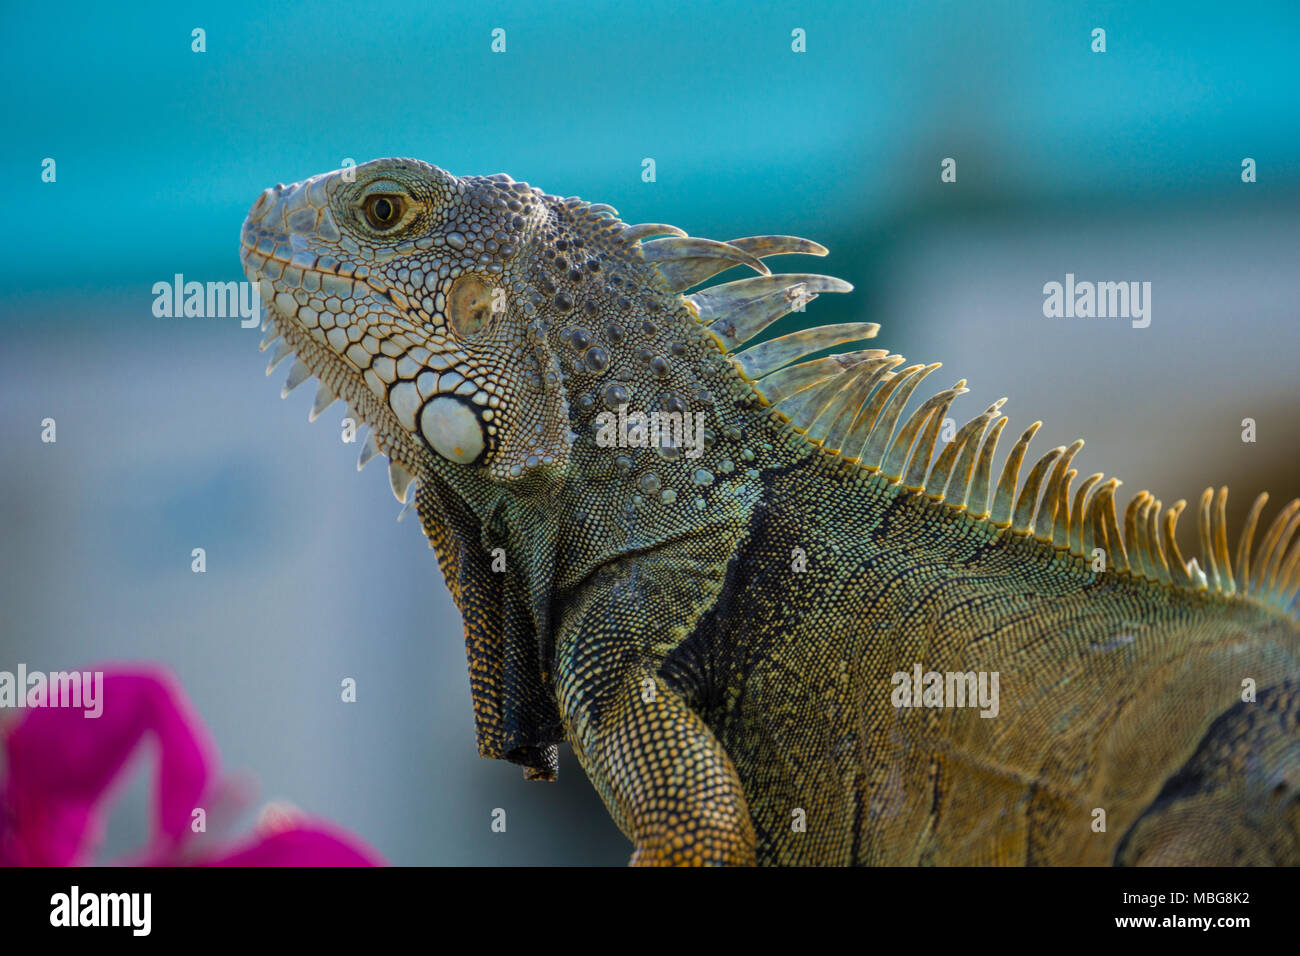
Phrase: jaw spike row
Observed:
(297, 375)
(400, 479)
(368, 451)
(324, 399)
(282, 351)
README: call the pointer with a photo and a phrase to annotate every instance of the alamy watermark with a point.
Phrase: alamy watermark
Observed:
(946, 689)
(669, 432)
(132, 911)
(74, 689)
(208, 300)
(1098, 300)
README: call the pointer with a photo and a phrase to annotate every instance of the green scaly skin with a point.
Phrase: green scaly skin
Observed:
(717, 636)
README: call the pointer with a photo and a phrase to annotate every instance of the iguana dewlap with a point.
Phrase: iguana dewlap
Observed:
(735, 627)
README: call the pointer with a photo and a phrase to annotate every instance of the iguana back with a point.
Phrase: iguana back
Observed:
(1115, 694)
(772, 622)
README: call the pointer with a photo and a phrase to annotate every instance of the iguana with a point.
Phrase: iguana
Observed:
(758, 643)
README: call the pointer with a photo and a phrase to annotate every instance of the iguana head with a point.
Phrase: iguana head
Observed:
(480, 327)
(408, 292)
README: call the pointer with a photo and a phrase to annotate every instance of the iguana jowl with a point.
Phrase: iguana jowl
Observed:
(717, 636)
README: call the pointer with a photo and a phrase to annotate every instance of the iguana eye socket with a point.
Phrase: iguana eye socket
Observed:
(383, 212)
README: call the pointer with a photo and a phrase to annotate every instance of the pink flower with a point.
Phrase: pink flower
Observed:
(61, 764)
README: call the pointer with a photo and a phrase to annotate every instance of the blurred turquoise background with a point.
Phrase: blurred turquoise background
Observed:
(1123, 165)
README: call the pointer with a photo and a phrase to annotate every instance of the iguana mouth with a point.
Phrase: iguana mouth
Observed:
(288, 336)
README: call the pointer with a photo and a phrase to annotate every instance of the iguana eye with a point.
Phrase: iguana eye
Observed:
(383, 212)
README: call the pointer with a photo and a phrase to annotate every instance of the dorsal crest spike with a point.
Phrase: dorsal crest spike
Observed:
(855, 441)
(1134, 535)
(1104, 505)
(1270, 559)
(1205, 530)
(1248, 539)
(883, 428)
(647, 229)
(1221, 541)
(851, 405)
(978, 500)
(1050, 511)
(1061, 523)
(855, 397)
(917, 469)
(1022, 518)
(955, 453)
(1289, 582)
(777, 353)
(1005, 497)
(780, 385)
(931, 413)
(1078, 512)
(895, 464)
(1173, 557)
(807, 406)
(763, 246)
(1155, 545)
(738, 311)
(842, 404)
(685, 261)
(1094, 533)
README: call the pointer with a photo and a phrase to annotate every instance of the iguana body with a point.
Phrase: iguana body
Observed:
(719, 636)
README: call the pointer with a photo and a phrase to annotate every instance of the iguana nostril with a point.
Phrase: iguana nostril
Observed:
(261, 205)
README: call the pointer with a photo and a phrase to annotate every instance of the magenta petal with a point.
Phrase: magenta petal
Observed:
(309, 843)
(61, 763)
